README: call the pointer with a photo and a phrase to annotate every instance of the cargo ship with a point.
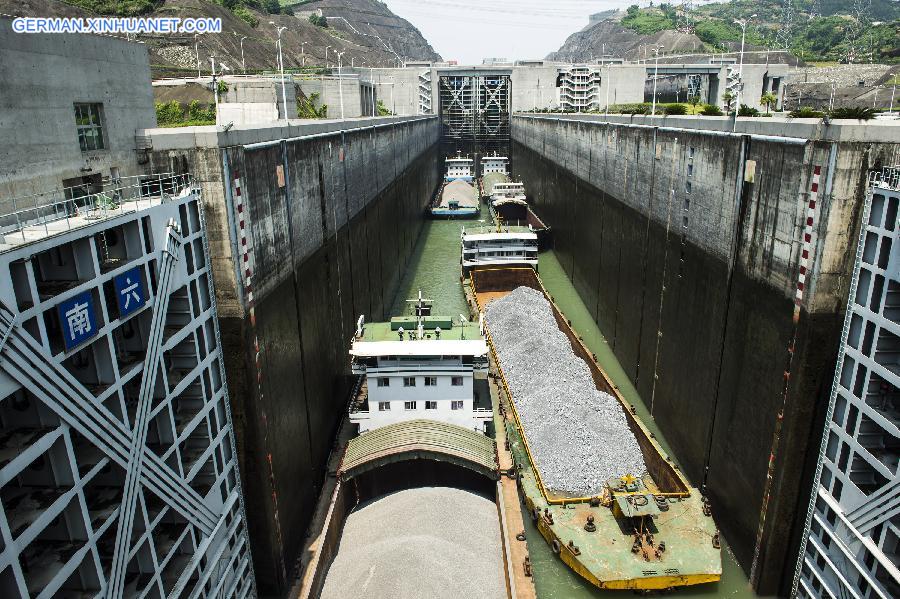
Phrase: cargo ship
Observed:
(418, 447)
(644, 531)
(498, 245)
(457, 196)
(507, 200)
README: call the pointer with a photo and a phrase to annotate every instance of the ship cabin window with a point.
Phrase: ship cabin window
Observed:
(384, 381)
(431, 381)
(457, 381)
(384, 406)
(409, 381)
(456, 404)
(431, 405)
(409, 405)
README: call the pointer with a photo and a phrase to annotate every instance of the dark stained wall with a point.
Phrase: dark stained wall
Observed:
(327, 246)
(685, 245)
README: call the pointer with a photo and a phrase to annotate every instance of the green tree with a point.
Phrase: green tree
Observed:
(246, 16)
(728, 98)
(382, 109)
(768, 100)
(169, 113)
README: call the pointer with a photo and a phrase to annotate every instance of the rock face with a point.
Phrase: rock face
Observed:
(364, 30)
(373, 19)
(579, 436)
(434, 542)
(608, 37)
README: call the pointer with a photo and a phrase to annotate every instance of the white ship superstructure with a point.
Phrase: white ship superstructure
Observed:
(499, 246)
(420, 366)
(494, 164)
(119, 471)
(459, 167)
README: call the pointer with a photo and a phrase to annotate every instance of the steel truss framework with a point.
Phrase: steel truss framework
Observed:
(118, 466)
(851, 545)
(475, 108)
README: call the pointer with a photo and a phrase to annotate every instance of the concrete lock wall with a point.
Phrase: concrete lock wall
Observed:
(686, 247)
(327, 246)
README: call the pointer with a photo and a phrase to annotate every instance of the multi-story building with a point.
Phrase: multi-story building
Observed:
(118, 474)
(851, 545)
(578, 87)
(72, 104)
(422, 366)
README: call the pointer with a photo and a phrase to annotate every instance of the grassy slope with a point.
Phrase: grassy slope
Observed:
(815, 37)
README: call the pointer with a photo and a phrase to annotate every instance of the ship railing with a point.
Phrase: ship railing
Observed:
(46, 214)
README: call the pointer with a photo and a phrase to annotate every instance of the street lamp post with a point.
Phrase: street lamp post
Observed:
(212, 61)
(608, 85)
(326, 55)
(281, 70)
(341, 84)
(743, 23)
(394, 106)
(372, 79)
(197, 51)
(656, 49)
(303, 53)
(243, 64)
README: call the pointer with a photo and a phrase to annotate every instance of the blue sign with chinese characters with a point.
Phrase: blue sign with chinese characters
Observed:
(78, 320)
(130, 291)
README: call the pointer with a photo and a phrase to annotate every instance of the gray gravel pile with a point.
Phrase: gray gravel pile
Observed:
(433, 542)
(579, 436)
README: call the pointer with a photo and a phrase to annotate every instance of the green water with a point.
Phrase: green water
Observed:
(434, 268)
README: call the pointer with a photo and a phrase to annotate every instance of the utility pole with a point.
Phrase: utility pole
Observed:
(197, 51)
(212, 60)
(655, 77)
(341, 84)
(743, 23)
(608, 85)
(281, 69)
(372, 79)
(326, 56)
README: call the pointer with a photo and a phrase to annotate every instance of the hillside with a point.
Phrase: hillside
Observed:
(365, 30)
(818, 30)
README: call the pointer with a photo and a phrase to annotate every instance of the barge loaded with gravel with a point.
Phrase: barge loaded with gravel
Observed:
(600, 488)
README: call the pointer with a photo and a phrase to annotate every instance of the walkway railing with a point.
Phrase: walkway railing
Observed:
(53, 214)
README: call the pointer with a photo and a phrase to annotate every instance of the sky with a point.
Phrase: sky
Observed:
(470, 30)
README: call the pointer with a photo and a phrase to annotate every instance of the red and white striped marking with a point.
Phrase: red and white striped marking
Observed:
(806, 252)
(248, 291)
